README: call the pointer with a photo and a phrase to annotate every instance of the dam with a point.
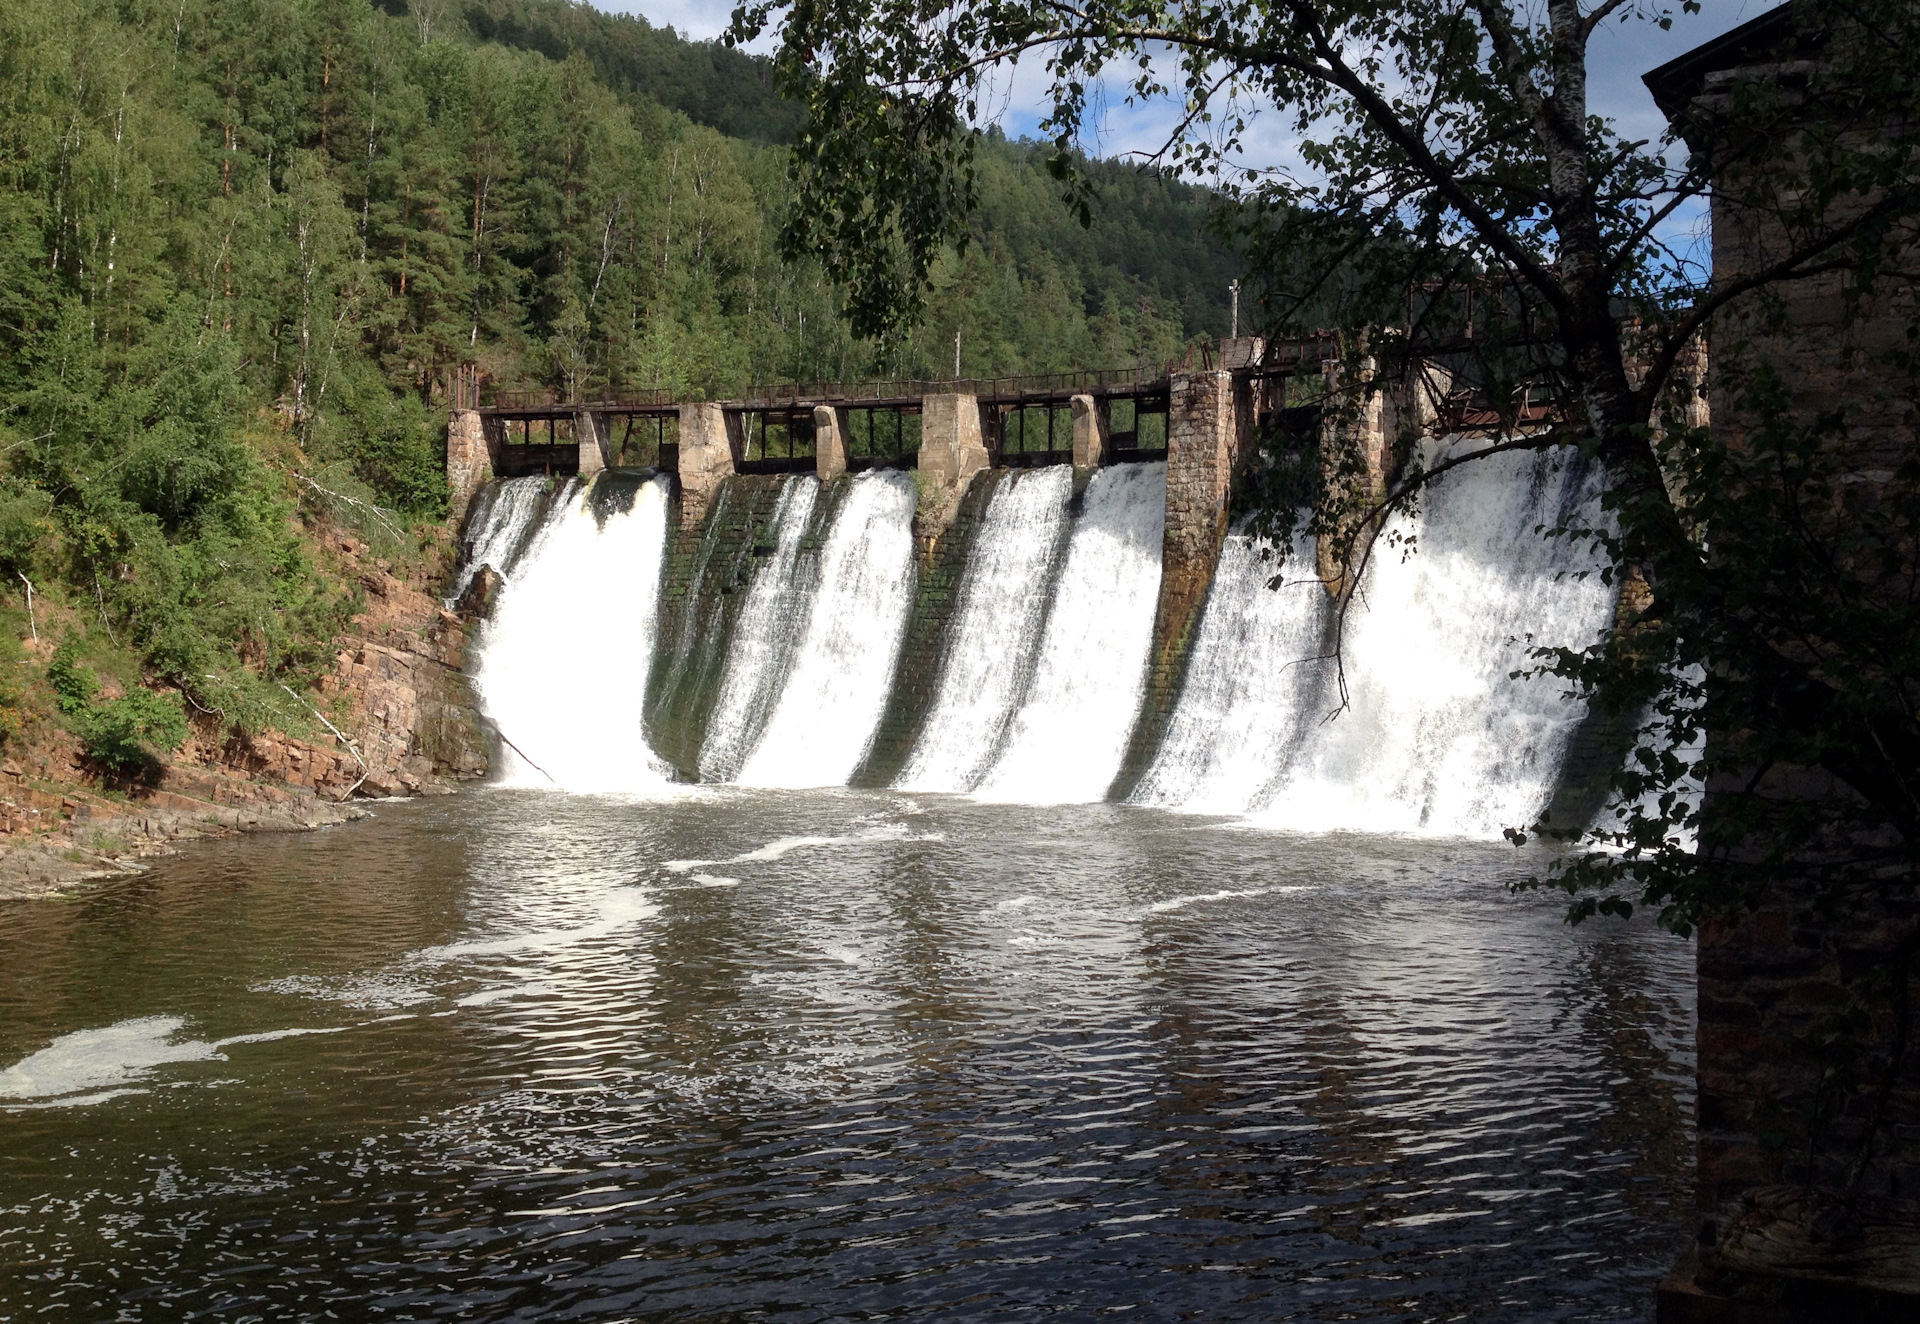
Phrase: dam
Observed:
(961, 884)
(1021, 608)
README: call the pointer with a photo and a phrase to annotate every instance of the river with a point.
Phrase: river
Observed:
(742, 1054)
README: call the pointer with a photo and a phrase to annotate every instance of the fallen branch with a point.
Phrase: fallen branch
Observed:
(101, 598)
(365, 772)
(523, 754)
(377, 512)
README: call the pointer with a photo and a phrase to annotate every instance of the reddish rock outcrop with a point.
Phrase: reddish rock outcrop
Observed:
(399, 719)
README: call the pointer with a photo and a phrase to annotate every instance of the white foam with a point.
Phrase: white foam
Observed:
(100, 1059)
(832, 702)
(563, 665)
(781, 847)
(375, 992)
(619, 908)
(1182, 902)
(1070, 735)
(93, 1066)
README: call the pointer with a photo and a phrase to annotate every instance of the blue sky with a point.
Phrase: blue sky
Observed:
(1621, 53)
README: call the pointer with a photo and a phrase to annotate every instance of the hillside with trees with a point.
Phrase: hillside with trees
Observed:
(247, 242)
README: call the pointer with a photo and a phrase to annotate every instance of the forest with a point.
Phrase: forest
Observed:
(246, 243)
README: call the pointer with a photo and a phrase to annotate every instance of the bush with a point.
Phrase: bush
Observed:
(126, 735)
(130, 734)
(73, 685)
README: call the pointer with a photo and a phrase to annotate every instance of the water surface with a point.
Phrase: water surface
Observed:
(834, 1055)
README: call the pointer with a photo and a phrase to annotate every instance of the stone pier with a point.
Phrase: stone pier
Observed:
(1354, 459)
(1089, 433)
(1209, 416)
(706, 458)
(951, 453)
(829, 442)
(592, 442)
(469, 464)
(1202, 446)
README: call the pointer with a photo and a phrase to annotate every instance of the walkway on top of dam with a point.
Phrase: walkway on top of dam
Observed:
(1247, 356)
(839, 426)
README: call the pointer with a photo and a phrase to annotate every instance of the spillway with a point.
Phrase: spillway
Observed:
(843, 663)
(562, 666)
(772, 620)
(996, 632)
(1256, 684)
(504, 520)
(1070, 733)
(1437, 734)
(1029, 675)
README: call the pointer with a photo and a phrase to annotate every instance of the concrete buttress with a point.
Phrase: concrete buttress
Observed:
(829, 442)
(1089, 432)
(951, 453)
(706, 458)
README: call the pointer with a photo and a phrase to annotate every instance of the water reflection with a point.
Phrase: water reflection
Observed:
(835, 1056)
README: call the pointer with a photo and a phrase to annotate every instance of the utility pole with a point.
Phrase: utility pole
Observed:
(1234, 290)
(956, 353)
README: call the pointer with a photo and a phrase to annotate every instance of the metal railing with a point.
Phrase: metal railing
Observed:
(466, 388)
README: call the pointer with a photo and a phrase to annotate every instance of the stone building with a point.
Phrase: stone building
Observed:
(1808, 1168)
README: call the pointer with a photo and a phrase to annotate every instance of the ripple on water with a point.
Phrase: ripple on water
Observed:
(964, 1062)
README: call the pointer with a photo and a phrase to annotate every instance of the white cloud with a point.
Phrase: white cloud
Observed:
(699, 19)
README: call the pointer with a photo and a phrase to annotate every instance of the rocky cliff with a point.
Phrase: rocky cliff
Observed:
(394, 716)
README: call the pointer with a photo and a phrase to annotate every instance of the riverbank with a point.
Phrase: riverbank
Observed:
(392, 717)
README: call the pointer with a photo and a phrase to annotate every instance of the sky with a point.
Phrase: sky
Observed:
(1620, 54)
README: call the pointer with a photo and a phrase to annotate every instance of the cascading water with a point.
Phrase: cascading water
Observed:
(1070, 734)
(764, 640)
(505, 518)
(996, 630)
(1667, 728)
(844, 663)
(1044, 667)
(1254, 686)
(1438, 735)
(563, 664)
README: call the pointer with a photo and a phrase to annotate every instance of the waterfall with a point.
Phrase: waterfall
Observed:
(1254, 686)
(1042, 660)
(844, 662)
(499, 528)
(764, 640)
(562, 667)
(1070, 734)
(995, 631)
(1438, 735)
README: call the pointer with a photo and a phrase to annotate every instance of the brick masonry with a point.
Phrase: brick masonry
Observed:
(469, 464)
(1808, 1165)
